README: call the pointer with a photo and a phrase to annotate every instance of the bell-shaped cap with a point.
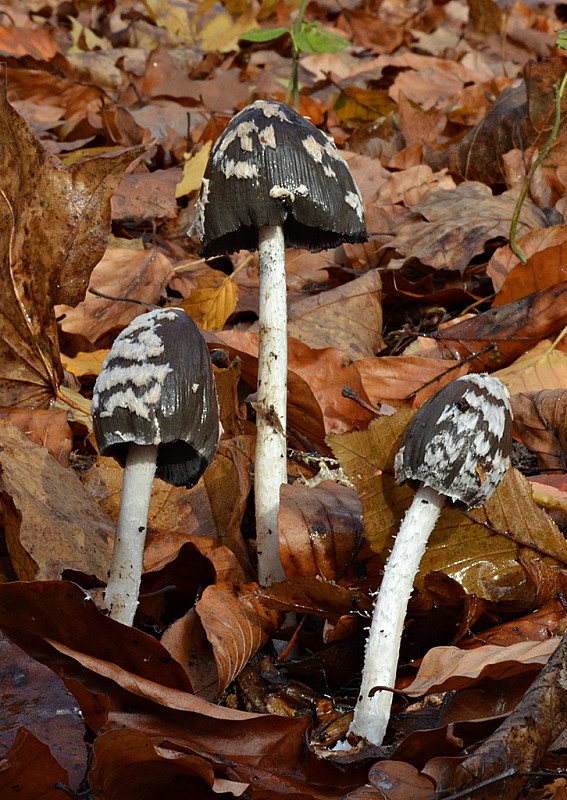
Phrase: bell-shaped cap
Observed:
(271, 166)
(459, 441)
(157, 387)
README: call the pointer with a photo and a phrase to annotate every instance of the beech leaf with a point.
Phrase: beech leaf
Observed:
(55, 221)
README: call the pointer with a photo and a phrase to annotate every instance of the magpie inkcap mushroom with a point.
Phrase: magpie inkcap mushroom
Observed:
(155, 410)
(271, 166)
(274, 180)
(457, 446)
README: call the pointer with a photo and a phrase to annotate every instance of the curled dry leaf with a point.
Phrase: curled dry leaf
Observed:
(321, 532)
(316, 405)
(39, 782)
(138, 274)
(443, 669)
(350, 316)
(236, 624)
(540, 419)
(48, 428)
(546, 266)
(129, 766)
(55, 222)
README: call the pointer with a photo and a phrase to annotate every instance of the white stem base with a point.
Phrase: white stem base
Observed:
(121, 595)
(372, 710)
(271, 454)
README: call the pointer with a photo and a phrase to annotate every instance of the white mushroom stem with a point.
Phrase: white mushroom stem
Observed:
(372, 710)
(271, 456)
(121, 595)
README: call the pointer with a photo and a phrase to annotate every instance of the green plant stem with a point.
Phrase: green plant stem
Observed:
(292, 96)
(514, 246)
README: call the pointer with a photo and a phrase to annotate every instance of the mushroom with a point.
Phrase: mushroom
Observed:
(457, 447)
(155, 410)
(274, 180)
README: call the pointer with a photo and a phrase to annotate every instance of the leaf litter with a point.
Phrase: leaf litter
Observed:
(439, 112)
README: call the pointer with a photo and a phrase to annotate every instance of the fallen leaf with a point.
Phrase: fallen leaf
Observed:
(236, 625)
(443, 669)
(52, 523)
(52, 265)
(506, 332)
(458, 224)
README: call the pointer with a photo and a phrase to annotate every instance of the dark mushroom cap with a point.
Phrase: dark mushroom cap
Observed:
(459, 441)
(271, 166)
(157, 387)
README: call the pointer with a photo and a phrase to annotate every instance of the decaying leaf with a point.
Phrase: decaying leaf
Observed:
(506, 332)
(540, 418)
(520, 743)
(54, 225)
(458, 224)
(236, 625)
(52, 523)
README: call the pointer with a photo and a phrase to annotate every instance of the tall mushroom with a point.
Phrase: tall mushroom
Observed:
(274, 180)
(457, 447)
(155, 410)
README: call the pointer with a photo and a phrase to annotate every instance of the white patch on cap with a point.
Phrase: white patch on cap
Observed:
(302, 190)
(317, 150)
(243, 170)
(353, 200)
(280, 192)
(267, 137)
(138, 343)
(271, 110)
(329, 171)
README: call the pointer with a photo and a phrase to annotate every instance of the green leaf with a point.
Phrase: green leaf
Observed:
(311, 38)
(264, 34)
(561, 40)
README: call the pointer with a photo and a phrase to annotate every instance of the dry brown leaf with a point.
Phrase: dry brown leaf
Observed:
(52, 523)
(349, 318)
(236, 624)
(458, 224)
(40, 781)
(212, 299)
(47, 428)
(506, 332)
(128, 765)
(406, 379)
(542, 367)
(524, 737)
(55, 221)
(316, 405)
(121, 273)
(546, 250)
(398, 780)
(540, 419)
(443, 669)
(320, 531)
